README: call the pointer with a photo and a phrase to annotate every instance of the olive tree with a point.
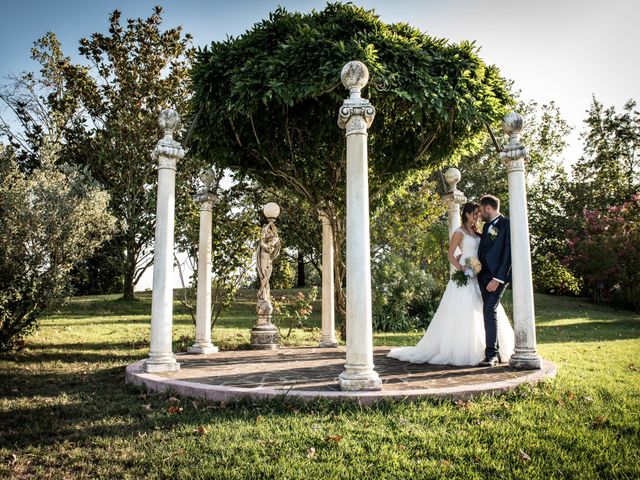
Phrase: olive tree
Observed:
(51, 219)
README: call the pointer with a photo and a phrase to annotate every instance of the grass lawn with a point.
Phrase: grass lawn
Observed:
(65, 411)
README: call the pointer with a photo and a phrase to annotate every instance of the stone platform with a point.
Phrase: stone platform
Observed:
(309, 373)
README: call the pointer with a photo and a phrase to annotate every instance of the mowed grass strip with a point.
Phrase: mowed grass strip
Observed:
(65, 411)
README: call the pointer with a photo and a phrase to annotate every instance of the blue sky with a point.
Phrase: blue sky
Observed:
(562, 50)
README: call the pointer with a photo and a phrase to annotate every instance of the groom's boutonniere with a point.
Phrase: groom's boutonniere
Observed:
(493, 233)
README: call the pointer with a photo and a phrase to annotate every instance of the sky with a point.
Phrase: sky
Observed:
(561, 50)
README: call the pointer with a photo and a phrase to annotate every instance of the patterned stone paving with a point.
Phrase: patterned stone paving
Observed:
(313, 372)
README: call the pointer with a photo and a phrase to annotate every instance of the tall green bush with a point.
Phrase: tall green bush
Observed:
(404, 296)
(50, 219)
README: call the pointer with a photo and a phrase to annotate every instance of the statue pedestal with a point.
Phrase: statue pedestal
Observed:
(265, 336)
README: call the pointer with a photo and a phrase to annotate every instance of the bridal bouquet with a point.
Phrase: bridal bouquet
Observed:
(472, 268)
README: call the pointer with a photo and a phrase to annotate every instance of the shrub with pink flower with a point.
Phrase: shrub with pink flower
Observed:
(605, 252)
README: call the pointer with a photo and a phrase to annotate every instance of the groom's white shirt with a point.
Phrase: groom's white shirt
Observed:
(489, 231)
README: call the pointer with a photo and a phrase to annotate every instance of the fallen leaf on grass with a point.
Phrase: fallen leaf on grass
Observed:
(463, 404)
(311, 452)
(173, 400)
(258, 418)
(334, 438)
(201, 430)
(173, 409)
(523, 456)
(571, 396)
(147, 407)
(445, 463)
(402, 447)
(633, 367)
(600, 421)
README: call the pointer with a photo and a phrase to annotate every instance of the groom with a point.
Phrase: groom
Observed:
(494, 253)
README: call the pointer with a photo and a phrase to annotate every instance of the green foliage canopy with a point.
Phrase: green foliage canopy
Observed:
(266, 103)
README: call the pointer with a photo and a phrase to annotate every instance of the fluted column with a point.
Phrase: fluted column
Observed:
(328, 338)
(356, 116)
(206, 197)
(514, 155)
(167, 152)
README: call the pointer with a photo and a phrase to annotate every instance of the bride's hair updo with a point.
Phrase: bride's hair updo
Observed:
(469, 207)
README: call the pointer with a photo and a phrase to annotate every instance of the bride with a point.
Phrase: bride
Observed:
(455, 335)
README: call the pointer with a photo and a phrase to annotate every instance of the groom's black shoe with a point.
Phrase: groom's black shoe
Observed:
(490, 362)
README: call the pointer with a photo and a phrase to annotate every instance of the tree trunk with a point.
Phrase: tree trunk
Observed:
(340, 271)
(129, 273)
(301, 281)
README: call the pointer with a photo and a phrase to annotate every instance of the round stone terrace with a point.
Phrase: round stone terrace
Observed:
(309, 373)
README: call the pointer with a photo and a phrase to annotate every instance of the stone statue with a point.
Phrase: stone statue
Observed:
(264, 335)
(268, 251)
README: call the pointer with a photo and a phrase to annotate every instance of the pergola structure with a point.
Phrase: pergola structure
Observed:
(355, 117)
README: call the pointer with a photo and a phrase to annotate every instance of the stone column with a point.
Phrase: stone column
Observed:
(328, 338)
(355, 116)
(514, 155)
(264, 335)
(206, 197)
(453, 199)
(167, 152)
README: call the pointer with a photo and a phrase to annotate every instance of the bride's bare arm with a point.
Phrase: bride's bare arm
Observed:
(456, 239)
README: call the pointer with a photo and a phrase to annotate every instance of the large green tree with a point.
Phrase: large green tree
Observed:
(266, 103)
(104, 112)
(135, 71)
(609, 172)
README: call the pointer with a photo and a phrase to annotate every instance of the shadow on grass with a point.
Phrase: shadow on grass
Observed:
(589, 331)
(77, 407)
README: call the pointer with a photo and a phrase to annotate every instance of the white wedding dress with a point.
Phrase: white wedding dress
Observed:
(455, 335)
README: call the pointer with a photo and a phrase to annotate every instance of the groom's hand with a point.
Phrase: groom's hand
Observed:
(493, 286)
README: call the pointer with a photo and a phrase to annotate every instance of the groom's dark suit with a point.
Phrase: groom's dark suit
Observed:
(494, 253)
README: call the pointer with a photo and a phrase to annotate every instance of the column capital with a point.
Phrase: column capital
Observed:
(206, 199)
(324, 217)
(356, 117)
(454, 199)
(514, 154)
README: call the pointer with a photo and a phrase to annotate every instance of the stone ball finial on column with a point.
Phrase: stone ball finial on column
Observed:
(354, 76)
(512, 123)
(208, 178)
(452, 176)
(169, 121)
